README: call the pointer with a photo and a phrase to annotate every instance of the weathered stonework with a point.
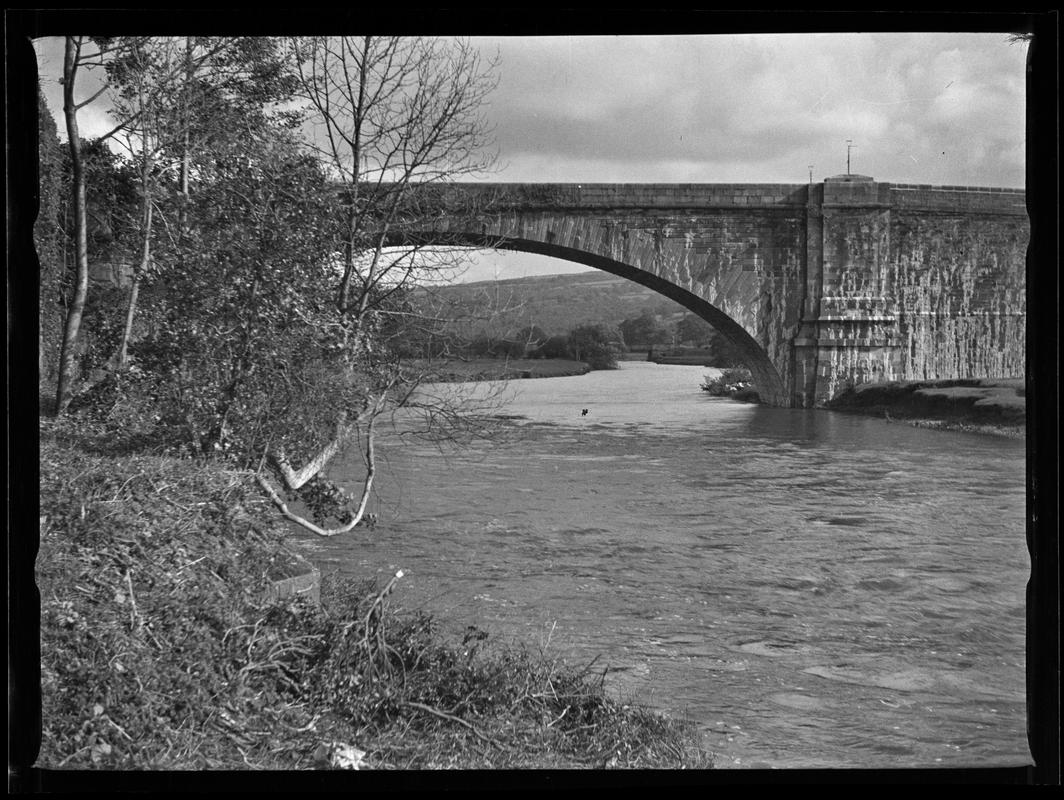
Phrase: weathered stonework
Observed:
(819, 286)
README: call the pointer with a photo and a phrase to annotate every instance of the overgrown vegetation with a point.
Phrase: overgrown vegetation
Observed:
(50, 240)
(161, 648)
(230, 265)
(736, 383)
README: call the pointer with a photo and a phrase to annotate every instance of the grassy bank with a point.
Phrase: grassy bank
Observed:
(496, 369)
(162, 648)
(994, 406)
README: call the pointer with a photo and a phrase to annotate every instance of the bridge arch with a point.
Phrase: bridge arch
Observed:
(766, 377)
(819, 286)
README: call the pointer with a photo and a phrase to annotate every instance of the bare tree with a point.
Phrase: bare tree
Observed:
(391, 114)
(388, 117)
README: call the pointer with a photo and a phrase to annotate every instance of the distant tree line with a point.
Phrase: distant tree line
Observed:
(598, 344)
(688, 334)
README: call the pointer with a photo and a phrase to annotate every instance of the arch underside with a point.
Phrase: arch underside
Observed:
(765, 373)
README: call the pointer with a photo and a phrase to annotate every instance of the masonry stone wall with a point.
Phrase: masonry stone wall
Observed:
(958, 279)
(819, 286)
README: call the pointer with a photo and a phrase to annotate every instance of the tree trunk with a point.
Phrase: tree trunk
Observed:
(145, 251)
(186, 122)
(138, 271)
(131, 309)
(315, 467)
(68, 354)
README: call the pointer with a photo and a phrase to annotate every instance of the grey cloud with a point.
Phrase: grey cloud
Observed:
(765, 102)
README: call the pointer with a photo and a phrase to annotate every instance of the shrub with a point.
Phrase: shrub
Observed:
(553, 347)
(598, 345)
(736, 383)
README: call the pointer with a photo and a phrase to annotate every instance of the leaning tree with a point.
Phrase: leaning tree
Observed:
(388, 117)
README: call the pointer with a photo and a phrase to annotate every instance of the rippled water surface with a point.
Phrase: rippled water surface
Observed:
(814, 589)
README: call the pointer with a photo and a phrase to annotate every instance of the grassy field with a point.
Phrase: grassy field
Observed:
(996, 406)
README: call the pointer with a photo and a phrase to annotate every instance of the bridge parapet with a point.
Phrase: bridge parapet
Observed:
(952, 199)
(588, 196)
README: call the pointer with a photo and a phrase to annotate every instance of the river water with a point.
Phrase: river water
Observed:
(813, 589)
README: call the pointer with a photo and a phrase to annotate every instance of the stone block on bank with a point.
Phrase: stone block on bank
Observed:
(294, 577)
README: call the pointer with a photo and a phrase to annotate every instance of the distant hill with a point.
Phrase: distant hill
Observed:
(559, 303)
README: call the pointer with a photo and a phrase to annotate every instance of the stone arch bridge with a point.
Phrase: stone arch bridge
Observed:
(819, 286)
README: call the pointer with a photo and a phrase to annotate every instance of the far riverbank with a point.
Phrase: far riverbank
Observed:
(976, 405)
(497, 369)
(995, 406)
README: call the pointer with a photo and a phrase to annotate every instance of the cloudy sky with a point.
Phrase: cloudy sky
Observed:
(938, 108)
(920, 108)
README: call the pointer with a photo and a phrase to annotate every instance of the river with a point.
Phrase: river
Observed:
(813, 589)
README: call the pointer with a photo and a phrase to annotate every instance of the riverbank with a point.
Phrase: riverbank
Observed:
(166, 646)
(689, 357)
(498, 369)
(732, 382)
(989, 406)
